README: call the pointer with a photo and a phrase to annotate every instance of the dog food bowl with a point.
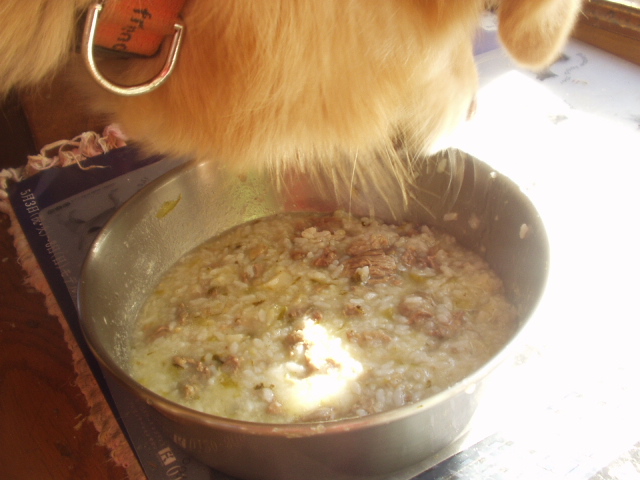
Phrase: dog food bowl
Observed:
(452, 191)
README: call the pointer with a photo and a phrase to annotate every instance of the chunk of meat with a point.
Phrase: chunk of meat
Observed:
(326, 257)
(381, 266)
(274, 408)
(293, 338)
(182, 313)
(421, 313)
(369, 338)
(200, 368)
(183, 362)
(257, 251)
(421, 257)
(301, 311)
(252, 272)
(159, 332)
(353, 310)
(298, 254)
(188, 390)
(364, 244)
(230, 364)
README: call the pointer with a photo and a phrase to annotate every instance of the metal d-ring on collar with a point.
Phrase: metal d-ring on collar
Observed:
(87, 53)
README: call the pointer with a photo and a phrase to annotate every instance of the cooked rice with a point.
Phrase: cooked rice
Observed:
(309, 317)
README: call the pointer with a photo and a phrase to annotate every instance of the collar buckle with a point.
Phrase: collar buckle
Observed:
(89, 39)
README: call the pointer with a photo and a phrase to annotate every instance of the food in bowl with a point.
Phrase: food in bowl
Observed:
(306, 317)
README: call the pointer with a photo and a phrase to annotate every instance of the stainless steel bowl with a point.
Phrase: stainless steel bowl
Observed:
(453, 191)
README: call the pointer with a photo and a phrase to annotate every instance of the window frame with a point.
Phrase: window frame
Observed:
(611, 26)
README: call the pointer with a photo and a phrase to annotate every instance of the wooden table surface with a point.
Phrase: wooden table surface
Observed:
(45, 432)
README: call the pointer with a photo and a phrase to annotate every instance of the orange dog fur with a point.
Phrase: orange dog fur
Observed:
(265, 82)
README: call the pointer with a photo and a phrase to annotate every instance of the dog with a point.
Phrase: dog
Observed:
(291, 82)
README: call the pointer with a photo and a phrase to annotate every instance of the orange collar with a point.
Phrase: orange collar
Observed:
(137, 26)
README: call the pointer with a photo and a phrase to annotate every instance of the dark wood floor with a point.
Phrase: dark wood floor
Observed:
(45, 431)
